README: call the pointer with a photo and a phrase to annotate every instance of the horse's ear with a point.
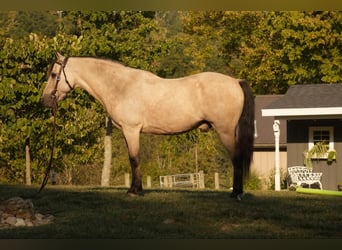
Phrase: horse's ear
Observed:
(59, 57)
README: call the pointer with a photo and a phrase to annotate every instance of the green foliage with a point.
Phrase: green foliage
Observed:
(283, 180)
(253, 182)
(272, 50)
(319, 151)
(196, 47)
(289, 48)
(21, 23)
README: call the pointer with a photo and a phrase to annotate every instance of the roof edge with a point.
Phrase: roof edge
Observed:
(285, 112)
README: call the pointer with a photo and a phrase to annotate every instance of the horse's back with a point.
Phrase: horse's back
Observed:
(218, 92)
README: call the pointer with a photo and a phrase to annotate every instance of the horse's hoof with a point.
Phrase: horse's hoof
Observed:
(134, 194)
(237, 196)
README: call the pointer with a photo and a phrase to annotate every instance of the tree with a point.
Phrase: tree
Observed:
(23, 66)
(28, 162)
(195, 45)
(21, 23)
(107, 163)
(272, 50)
(293, 48)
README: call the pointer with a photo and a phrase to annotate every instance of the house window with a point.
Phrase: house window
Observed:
(321, 134)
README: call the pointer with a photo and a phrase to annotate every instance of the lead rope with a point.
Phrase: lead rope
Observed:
(54, 112)
(47, 171)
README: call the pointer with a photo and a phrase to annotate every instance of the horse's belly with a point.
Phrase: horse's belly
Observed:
(170, 125)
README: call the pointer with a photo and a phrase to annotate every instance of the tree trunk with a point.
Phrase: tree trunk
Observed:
(28, 162)
(107, 154)
(196, 158)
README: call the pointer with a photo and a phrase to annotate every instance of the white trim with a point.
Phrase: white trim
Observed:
(302, 111)
(331, 138)
(331, 135)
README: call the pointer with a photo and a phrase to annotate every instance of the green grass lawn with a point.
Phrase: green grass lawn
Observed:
(94, 212)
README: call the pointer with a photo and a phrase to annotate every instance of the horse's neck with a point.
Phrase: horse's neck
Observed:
(98, 77)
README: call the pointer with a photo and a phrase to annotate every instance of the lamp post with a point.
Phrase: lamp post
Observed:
(276, 131)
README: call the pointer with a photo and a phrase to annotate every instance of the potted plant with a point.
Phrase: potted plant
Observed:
(319, 151)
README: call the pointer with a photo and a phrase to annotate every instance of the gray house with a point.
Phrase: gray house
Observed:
(313, 113)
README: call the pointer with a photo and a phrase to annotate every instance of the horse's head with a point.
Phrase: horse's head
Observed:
(58, 85)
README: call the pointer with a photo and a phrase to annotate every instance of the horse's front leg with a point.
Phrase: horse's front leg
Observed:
(136, 185)
(132, 140)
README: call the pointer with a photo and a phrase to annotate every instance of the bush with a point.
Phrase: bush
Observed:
(253, 182)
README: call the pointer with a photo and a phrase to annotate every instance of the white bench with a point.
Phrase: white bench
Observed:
(298, 175)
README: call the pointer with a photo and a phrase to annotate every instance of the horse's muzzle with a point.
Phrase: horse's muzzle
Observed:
(47, 100)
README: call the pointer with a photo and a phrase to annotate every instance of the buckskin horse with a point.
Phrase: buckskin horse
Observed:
(139, 101)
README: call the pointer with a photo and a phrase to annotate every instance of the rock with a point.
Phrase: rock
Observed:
(17, 212)
(39, 216)
(49, 218)
(43, 219)
(13, 204)
(11, 220)
(25, 215)
(20, 223)
(29, 223)
(5, 215)
(17, 205)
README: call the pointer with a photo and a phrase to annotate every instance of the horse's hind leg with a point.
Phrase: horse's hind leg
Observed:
(228, 140)
(132, 140)
(237, 179)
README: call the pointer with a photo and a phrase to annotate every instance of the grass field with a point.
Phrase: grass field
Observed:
(108, 213)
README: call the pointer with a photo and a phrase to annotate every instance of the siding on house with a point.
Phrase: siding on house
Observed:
(263, 166)
(264, 125)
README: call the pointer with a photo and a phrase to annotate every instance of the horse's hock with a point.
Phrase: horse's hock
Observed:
(18, 212)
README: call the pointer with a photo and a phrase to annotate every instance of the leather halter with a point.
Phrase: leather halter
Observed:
(58, 77)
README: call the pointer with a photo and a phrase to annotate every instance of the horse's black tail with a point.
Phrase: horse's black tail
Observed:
(243, 155)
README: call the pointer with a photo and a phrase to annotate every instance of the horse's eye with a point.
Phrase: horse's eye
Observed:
(53, 75)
